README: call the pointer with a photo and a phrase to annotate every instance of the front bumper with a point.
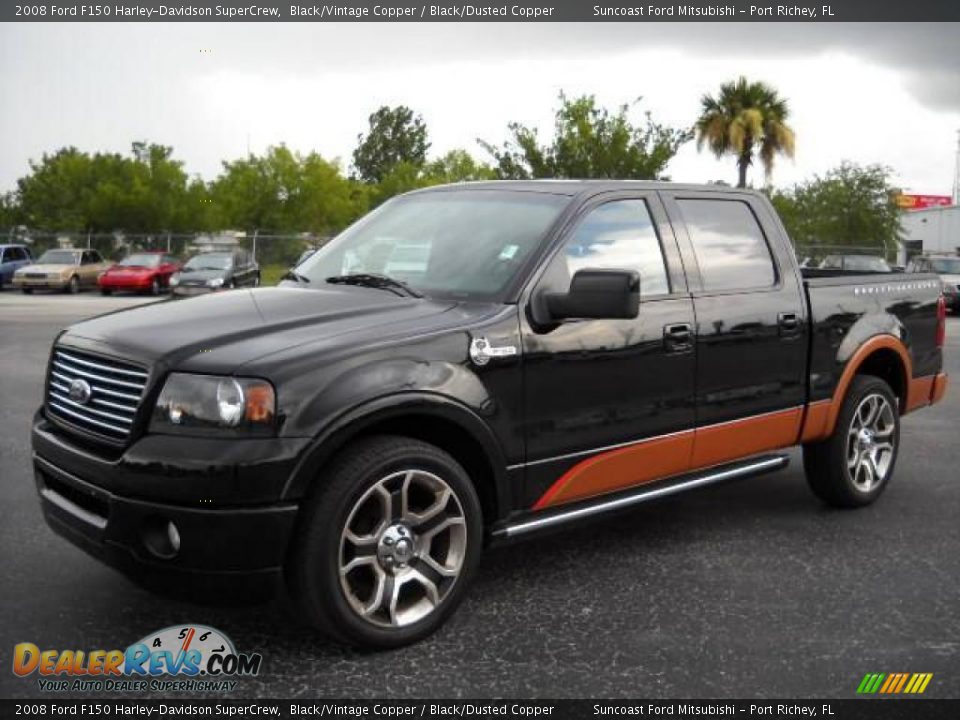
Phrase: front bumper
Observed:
(229, 537)
(40, 283)
(113, 283)
(191, 290)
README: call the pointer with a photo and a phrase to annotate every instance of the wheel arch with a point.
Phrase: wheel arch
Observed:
(885, 356)
(437, 420)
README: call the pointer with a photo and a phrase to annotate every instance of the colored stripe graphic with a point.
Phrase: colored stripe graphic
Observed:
(894, 683)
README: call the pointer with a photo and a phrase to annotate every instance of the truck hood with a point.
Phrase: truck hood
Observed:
(218, 333)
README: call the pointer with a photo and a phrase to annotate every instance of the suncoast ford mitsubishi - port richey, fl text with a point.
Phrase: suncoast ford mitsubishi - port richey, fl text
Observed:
(471, 364)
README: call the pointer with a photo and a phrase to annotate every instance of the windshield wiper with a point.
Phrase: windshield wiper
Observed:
(295, 276)
(375, 280)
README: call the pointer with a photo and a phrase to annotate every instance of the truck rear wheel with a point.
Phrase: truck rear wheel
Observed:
(852, 467)
(387, 544)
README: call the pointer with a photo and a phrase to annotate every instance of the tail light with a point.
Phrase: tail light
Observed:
(941, 321)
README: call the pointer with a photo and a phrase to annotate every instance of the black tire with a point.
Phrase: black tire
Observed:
(318, 549)
(73, 287)
(27, 291)
(835, 467)
(105, 291)
(256, 280)
(155, 287)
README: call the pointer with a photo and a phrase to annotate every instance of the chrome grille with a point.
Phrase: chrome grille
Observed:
(116, 390)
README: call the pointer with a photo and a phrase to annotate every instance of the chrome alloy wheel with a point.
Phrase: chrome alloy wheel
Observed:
(402, 548)
(870, 441)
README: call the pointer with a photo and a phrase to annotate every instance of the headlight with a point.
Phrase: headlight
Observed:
(948, 288)
(174, 280)
(214, 282)
(210, 404)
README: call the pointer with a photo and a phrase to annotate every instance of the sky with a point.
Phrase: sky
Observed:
(869, 93)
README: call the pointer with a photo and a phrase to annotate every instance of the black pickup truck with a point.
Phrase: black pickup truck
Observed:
(465, 365)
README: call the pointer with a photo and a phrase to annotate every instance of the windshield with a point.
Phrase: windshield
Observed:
(140, 260)
(208, 262)
(946, 266)
(465, 243)
(58, 257)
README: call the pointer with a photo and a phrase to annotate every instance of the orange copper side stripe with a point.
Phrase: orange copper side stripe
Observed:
(739, 439)
(886, 685)
(818, 413)
(621, 468)
(919, 392)
(663, 457)
(940, 384)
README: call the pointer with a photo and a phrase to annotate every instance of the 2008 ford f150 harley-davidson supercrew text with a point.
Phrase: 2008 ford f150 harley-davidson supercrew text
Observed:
(469, 364)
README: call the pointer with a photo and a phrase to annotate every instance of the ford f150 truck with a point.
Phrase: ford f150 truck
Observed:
(470, 364)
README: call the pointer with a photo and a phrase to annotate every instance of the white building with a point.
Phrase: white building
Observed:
(931, 230)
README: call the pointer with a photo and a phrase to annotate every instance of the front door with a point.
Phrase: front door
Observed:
(609, 403)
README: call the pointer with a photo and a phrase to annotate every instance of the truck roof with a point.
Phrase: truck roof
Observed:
(576, 187)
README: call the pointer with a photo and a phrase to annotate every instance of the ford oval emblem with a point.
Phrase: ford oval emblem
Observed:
(80, 391)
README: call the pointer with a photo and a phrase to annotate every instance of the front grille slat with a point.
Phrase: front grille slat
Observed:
(98, 378)
(116, 390)
(79, 406)
(97, 366)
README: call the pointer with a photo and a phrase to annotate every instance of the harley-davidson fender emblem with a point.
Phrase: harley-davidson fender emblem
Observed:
(482, 352)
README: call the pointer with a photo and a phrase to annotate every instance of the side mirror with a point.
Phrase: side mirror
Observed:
(597, 294)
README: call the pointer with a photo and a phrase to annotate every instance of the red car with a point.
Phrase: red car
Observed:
(140, 272)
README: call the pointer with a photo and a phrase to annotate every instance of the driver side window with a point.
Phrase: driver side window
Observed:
(616, 235)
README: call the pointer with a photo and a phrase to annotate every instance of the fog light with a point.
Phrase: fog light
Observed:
(173, 535)
(161, 537)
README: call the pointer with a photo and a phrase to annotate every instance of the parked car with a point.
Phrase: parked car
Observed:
(856, 263)
(210, 272)
(66, 269)
(140, 272)
(566, 350)
(12, 258)
(948, 268)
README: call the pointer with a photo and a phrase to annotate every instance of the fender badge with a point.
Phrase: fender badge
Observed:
(481, 351)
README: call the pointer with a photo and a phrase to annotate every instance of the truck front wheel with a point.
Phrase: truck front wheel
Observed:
(852, 467)
(387, 544)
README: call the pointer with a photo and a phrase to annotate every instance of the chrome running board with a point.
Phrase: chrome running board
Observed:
(542, 520)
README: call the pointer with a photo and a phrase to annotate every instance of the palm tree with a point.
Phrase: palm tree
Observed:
(745, 118)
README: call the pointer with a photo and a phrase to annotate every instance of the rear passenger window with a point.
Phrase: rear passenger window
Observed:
(731, 250)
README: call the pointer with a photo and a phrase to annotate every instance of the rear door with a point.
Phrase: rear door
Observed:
(751, 330)
(609, 402)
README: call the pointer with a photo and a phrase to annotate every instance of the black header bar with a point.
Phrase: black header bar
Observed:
(481, 11)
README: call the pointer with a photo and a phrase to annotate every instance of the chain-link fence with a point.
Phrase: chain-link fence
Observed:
(813, 255)
(275, 253)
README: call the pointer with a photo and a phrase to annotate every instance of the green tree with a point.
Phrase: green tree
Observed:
(9, 211)
(745, 119)
(851, 205)
(73, 190)
(457, 166)
(588, 142)
(395, 136)
(283, 191)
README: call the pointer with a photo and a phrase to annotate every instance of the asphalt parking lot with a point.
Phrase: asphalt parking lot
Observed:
(751, 589)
